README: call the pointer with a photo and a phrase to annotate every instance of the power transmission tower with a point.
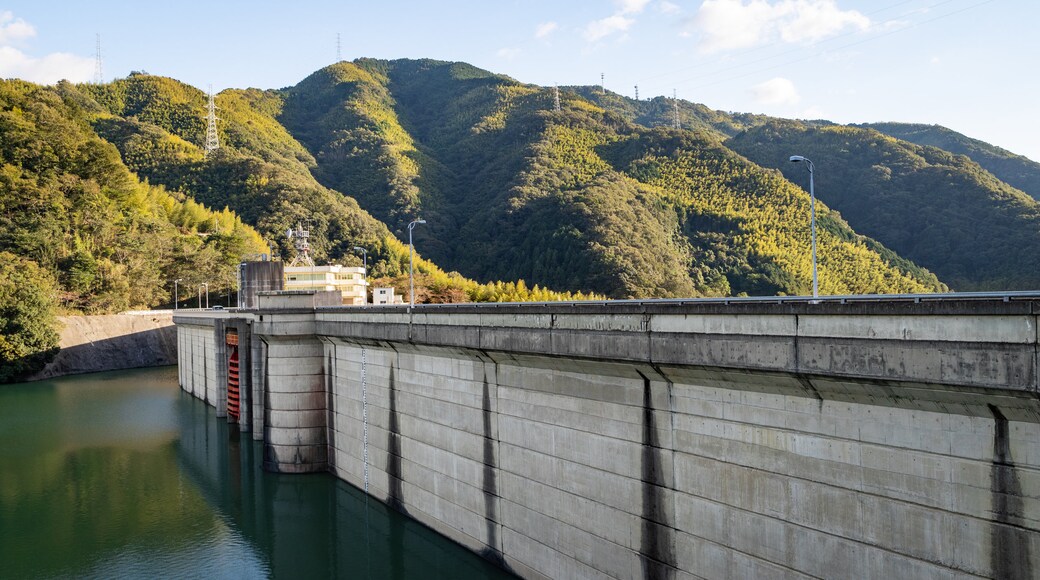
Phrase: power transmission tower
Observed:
(556, 98)
(339, 52)
(637, 92)
(98, 76)
(602, 85)
(212, 142)
(301, 240)
(675, 112)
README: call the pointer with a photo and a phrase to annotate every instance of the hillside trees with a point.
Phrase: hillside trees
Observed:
(28, 329)
(68, 203)
(938, 209)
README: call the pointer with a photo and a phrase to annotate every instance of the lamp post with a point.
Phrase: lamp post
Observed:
(364, 254)
(411, 262)
(206, 286)
(176, 296)
(812, 209)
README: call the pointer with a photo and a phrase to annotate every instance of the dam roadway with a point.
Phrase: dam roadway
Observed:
(755, 438)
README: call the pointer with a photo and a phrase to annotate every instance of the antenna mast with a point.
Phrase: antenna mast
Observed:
(675, 112)
(301, 241)
(556, 98)
(98, 76)
(602, 86)
(212, 142)
(339, 52)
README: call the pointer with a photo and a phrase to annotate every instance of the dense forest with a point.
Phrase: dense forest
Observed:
(941, 210)
(514, 190)
(108, 194)
(1015, 170)
(80, 233)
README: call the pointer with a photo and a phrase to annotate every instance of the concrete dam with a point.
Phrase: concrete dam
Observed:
(892, 438)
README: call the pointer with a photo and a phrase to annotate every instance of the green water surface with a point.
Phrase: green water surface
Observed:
(122, 475)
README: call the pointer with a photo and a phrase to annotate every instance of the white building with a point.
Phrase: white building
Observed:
(386, 296)
(349, 282)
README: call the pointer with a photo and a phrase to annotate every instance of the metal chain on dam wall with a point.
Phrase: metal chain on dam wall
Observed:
(661, 440)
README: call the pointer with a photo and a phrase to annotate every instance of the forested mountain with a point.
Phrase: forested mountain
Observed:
(264, 174)
(106, 189)
(512, 189)
(941, 210)
(1015, 170)
(79, 232)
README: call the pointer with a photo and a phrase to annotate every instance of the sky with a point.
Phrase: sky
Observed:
(970, 65)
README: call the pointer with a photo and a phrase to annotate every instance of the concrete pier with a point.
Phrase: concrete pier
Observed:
(665, 440)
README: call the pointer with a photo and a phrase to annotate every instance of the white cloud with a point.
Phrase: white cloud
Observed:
(604, 27)
(813, 20)
(508, 53)
(631, 6)
(48, 69)
(14, 29)
(45, 70)
(935, 60)
(775, 91)
(667, 7)
(545, 29)
(733, 24)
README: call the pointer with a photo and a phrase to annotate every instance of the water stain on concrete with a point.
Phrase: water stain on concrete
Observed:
(1009, 542)
(493, 550)
(393, 450)
(655, 538)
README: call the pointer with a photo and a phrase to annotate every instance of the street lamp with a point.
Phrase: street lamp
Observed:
(364, 254)
(411, 261)
(206, 286)
(812, 206)
(176, 297)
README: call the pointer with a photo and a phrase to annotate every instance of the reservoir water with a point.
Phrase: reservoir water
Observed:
(122, 475)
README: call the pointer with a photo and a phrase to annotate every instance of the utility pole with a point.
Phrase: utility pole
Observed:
(212, 142)
(98, 76)
(556, 98)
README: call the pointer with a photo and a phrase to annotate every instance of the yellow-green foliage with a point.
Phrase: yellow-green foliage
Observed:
(938, 209)
(772, 217)
(68, 203)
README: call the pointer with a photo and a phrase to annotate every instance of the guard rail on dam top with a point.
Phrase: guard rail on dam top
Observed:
(787, 437)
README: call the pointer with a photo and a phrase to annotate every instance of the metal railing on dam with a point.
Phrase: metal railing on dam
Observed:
(739, 437)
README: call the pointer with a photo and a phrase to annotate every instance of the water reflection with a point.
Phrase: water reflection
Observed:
(123, 475)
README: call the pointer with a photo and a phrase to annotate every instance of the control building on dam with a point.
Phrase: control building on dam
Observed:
(883, 438)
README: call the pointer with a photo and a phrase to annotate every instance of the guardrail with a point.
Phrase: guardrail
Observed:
(1026, 295)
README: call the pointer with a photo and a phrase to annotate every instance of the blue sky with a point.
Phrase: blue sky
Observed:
(970, 65)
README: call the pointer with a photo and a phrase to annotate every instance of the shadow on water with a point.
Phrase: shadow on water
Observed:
(311, 526)
(123, 475)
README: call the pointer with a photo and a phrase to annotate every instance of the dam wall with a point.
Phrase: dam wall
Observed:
(672, 441)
